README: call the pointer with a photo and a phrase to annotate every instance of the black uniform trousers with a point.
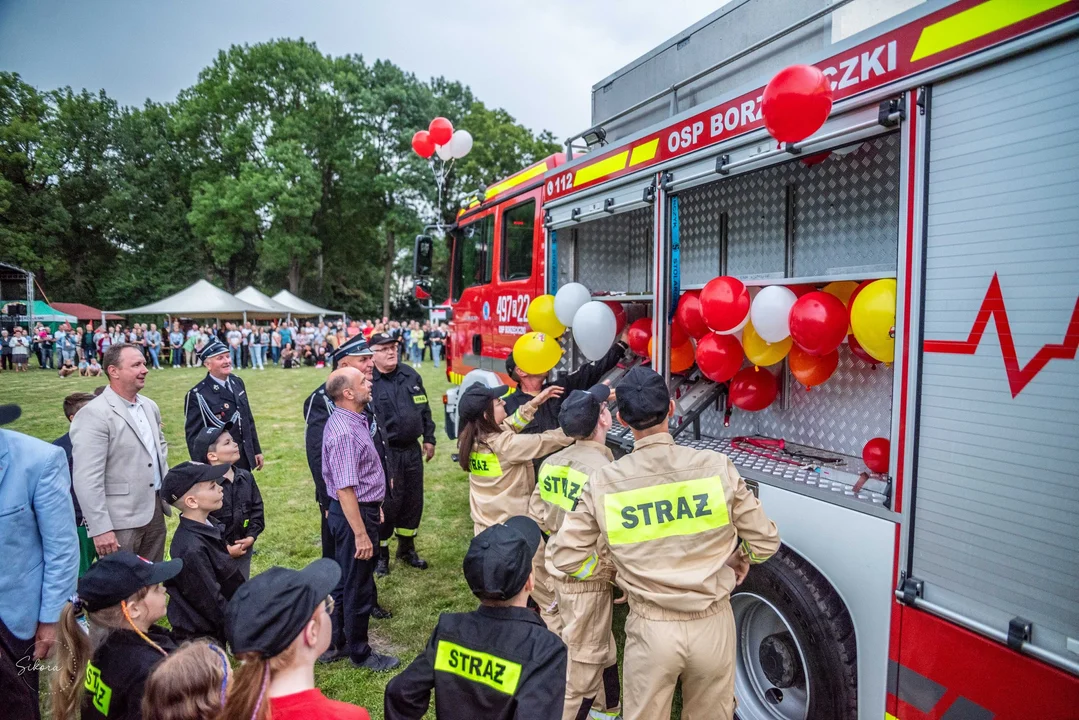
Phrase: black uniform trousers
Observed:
(18, 683)
(355, 595)
(404, 509)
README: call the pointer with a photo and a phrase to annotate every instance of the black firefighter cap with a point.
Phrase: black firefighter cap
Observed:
(119, 575)
(643, 398)
(356, 346)
(499, 559)
(381, 339)
(205, 440)
(581, 409)
(474, 400)
(213, 349)
(9, 413)
(268, 611)
(186, 475)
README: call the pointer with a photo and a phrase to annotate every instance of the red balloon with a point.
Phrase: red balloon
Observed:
(859, 351)
(719, 356)
(441, 131)
(640, 332)
(861, 286)
(800, 290)
(796, 103)
(679, 336)
(819, 322)
(421, 143)
(725, 304)
(875, 454)
(811, 370)
(619, 315)
(816, 159)
(753, 389)
(688, 315)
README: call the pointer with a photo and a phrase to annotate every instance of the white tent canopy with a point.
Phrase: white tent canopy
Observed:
(301, 307)
(254, 296)
(201, 300)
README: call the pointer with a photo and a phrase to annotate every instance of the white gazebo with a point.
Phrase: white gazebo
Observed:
(300, 307)
(254, 296)
(202, 300)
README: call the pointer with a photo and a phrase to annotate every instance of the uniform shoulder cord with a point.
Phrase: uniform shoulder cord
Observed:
(140, 633)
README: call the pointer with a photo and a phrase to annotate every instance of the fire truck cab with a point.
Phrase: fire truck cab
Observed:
(946, 587)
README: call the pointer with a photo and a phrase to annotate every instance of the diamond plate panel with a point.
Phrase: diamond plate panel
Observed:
(602, 249)
(838, 416)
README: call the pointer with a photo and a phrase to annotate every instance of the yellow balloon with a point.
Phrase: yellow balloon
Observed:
(842, 289)
(759, 351)
(536, 353)
(542, 319)
(873, 318)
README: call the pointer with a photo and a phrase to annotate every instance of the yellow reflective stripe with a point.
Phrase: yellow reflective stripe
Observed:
(753, 557)
(406, 532)
(517, 420)
(516, 180)
(480, 667)
(643, 153)
(976, 22)
(587, 568)
(419, 399)
(100, 692)
(561, 485)
(598, 169)
(594, 714)
(668, 510)
(889, 716)
(247, 522)
(484, 464)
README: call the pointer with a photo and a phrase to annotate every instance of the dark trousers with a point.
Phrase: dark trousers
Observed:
(329, 547)
(355, 595)
(18, 681)
(404, 509)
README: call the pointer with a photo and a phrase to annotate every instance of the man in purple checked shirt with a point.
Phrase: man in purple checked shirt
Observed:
(356, 485)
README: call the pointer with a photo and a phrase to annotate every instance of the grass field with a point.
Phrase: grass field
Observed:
(292, 528)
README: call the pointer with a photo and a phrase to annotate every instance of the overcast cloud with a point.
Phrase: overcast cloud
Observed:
(538, 59)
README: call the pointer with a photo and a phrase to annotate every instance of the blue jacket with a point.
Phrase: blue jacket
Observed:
(38, 541)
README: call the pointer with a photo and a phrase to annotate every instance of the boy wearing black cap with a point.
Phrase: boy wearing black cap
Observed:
(200, 593)
(679, 524)
(278, 625)
(584, 607)
(498, 661)
(241, 514)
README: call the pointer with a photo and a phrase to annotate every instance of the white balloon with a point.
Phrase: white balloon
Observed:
(461, 143)
(444, 151)
(568, 300)
(770, 313)
(594, 329)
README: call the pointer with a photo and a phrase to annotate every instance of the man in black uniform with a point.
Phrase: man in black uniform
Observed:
(401, 402)
(218, 398)
(499, 661)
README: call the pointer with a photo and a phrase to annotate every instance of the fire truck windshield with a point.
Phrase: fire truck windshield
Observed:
(473, 254)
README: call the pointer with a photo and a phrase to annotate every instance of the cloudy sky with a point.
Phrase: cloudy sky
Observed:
(538, 60)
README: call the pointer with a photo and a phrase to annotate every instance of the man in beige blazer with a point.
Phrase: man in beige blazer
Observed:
(120, 457)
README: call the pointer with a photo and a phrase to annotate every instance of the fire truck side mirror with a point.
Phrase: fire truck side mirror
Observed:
(423, 259)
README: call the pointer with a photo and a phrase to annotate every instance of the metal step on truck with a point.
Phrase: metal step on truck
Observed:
(948, 586)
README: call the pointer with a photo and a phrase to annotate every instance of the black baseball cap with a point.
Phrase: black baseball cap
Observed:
(381, 339)
(499, 559)
(474, 400)
(205, 440)
(9, 413)
(356, 346)
(186, 475)
(268, 611)
(511, 365)
(643, 398)
(119, 575)
(581, 409)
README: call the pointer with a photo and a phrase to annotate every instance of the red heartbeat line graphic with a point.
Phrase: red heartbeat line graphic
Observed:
(1018, 377)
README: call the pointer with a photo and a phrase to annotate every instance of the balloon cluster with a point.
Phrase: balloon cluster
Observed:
(595, 326)
(441, 139)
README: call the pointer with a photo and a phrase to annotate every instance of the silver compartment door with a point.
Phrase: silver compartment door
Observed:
(996, 513)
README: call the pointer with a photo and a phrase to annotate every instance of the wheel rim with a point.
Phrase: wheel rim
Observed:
(763, 631)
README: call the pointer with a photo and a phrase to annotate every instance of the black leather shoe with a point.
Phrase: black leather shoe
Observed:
(410, 557)
(332, 655)
(380, 613)
(377, 662)
(382, 567)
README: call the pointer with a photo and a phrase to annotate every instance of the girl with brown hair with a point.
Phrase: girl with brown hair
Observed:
(190, 684)
(104, 670)
(497, 459)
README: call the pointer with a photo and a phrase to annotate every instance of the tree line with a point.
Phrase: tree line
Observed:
(280, 167)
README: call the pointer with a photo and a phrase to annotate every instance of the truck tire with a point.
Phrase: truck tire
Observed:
(797, 657)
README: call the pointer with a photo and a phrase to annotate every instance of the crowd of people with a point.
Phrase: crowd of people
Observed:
(558, 523)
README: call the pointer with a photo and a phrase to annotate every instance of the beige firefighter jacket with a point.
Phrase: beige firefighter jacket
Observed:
(670, 516)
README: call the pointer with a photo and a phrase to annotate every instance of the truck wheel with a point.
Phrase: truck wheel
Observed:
(796, 656)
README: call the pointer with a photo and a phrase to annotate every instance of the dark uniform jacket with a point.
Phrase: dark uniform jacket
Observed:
(496, 663)
(582, 378)
(199, 595)
(64, 441)
(116, 674)
(241, 508)
(316, 411)
(401, 401)
(211, 404)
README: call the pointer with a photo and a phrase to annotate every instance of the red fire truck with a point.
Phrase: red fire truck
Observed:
(948, 587)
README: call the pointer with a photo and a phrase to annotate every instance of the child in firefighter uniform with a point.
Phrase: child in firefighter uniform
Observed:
(497, 661)
(584, 607)
(676, 521)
